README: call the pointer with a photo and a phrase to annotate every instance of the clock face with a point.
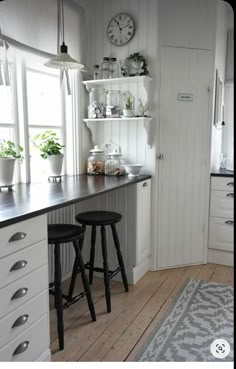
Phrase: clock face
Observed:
(120, 30)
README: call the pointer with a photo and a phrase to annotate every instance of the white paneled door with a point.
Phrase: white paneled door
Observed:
(183, 163)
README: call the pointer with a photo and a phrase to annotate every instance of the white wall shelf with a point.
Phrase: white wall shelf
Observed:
(114, 81)
(146, 124)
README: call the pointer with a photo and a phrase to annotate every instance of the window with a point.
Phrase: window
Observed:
(33, 103)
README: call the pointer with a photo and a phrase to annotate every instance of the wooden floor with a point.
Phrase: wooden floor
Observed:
(119, 335)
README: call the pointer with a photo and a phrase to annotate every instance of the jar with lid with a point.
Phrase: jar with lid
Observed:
(96, 72)
(96, 161)
(96, 108)
(113, 104)
(106, 68)
(114, 68)
(115, 164)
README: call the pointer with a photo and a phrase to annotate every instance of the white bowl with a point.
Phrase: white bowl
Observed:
(133, 170)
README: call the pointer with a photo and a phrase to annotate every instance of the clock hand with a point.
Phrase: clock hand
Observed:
(124, 27)
(118, 24)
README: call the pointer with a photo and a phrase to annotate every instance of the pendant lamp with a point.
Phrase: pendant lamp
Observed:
(63, 60)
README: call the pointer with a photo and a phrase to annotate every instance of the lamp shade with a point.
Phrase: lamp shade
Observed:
(63, 60)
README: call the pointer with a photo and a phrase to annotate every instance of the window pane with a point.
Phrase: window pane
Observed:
(38, 165)
(6, 102)
(6, 133)
(44, 98)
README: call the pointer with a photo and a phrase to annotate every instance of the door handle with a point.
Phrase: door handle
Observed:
(160, 157)
(17, 236)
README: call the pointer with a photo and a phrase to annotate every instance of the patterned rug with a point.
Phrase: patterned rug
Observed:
(199, 326)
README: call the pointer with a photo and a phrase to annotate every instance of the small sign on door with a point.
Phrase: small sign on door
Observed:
(185, 97)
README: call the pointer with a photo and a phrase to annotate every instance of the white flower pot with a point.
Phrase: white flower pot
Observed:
(128, 113)
(55, 165)
(7, 166)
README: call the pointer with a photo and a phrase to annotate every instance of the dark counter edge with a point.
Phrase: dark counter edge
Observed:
(222, 173)
(36, 213)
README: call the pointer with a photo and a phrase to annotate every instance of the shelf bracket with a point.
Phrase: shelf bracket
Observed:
(147, 126)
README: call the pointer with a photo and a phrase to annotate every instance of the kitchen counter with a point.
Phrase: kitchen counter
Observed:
(29, 200)
(222, 173)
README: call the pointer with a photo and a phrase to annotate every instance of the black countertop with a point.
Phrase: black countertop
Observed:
(222, 173)
(29, 200)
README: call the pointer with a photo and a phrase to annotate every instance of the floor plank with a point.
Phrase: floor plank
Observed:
(119, 335)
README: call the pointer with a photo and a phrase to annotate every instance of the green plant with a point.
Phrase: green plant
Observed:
(48, 143)
(129, 102)
(137, 57)
(9, 150)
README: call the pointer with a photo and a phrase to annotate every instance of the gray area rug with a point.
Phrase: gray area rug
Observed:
(200, 314)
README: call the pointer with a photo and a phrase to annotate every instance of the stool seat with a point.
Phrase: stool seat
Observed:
(98, 218)
(63, 233)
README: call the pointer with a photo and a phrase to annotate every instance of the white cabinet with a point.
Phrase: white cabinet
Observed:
(24, 308)
(142, 258)
(221, 221)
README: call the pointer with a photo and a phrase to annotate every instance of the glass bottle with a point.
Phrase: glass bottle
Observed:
(96, 161)
(113, 104)
(96, 72)
(114, 68)
(106, 68)
(114, 164)
(96, 108)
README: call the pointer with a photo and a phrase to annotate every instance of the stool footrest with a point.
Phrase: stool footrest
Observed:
(112, 273)
(74, 299)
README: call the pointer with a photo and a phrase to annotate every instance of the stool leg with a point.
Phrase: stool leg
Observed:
(77, 247)
(92, 254)
(58, 296)
(105, 268)
(73, 279)
(119, 256)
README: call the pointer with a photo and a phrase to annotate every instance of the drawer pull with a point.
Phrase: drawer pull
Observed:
(21, 348)
(231, 222)
(19, 293)
(20, 321)
(145, 184)
(18, 265)
(230, 184)
(230, 195)
(17, 236)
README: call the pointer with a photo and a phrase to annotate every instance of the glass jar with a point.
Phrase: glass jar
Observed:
(96, 161)
(96, 108)
(106, 68)
(115, 164)
(96, 72)
(113, 104)
(114, 68)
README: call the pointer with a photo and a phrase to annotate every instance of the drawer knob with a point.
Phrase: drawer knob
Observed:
(18, 265)
(230, 195)
(230, 222)
(19, 293)
(21, 348)
(17, 236)
(145, 184)
(20, 321)
(230, 184)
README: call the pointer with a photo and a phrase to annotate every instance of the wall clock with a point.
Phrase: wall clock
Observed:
(120, 30)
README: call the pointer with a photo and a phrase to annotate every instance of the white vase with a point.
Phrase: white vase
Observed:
(7, 166)
(55, 165)
(128, 113)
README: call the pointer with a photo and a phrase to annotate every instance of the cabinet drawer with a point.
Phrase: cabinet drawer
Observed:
(222, 204)
(25, 288)
(19, 235)
(35, 338)
(22, 318)
(221, 234)
(15, 266)
(222, 183)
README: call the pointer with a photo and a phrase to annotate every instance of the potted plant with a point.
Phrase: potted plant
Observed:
(50, 149)
(128, 105)
(9, 152)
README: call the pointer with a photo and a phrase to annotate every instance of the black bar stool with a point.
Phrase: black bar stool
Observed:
(60, 234)
(102, 219)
